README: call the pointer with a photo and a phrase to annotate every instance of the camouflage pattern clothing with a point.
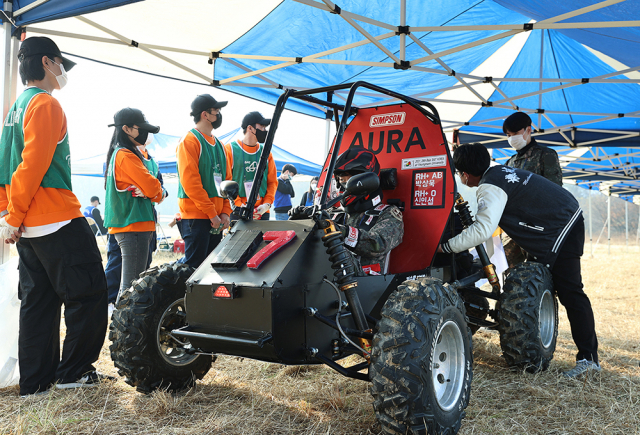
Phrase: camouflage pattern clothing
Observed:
(371, 235)
(540, 160)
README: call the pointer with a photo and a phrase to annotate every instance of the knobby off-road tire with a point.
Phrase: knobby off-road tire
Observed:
(528, 313)
(141, 348)
(421, 360)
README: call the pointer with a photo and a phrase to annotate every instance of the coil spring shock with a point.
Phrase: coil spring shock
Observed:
(344, 274)
(489, 269)
(339, 258)
(463, 211)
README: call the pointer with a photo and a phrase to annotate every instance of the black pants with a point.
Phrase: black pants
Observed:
(198, 241)
(60, 268)
(567, 281)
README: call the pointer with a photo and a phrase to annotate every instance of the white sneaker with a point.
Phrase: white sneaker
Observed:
(583, 366)
(111, 309)
(90, 379)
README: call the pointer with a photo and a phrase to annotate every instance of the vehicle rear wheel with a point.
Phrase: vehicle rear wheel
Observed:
(528, 312)
(142, 347)
(421, 360)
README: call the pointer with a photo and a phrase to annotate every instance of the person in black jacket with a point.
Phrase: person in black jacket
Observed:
(546, 221)
(285, 192)
(307, 197)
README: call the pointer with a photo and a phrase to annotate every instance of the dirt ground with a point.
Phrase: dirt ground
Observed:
(250, 397)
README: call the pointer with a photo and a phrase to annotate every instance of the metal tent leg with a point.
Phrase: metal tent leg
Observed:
(609, 222)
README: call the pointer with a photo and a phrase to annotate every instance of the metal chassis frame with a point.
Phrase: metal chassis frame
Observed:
(347, 109)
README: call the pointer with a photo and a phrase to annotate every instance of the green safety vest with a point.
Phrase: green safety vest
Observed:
(212, 166)
(121, 209)
(245, 166)
(12, 144)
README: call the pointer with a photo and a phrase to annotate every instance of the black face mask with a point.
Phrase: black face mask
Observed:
(218, 122)
(261, 135)
(142, 136)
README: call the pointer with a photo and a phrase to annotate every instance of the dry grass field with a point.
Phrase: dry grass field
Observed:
(250, 397)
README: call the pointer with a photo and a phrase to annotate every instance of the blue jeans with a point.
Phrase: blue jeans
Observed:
(135, 251)
(282, 216)
(113, 270)
(198, 241)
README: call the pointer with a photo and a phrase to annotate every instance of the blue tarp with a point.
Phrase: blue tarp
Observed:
(622, 43)
(563, 57)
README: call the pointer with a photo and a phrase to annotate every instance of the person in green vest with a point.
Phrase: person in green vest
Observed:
(202, 165)
(245, 156)
(132, 186)
(59, 259)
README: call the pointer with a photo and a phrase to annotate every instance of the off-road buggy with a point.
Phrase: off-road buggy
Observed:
(281, 291)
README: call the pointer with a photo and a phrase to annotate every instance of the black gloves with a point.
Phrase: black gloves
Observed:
(300, 212)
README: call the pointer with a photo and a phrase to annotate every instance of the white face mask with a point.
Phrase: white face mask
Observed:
(313, 186)
(517, 142)
(62, 79)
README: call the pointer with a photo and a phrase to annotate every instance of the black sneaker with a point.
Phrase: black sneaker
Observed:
(90, 379)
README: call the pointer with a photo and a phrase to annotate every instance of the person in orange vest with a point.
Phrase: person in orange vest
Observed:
(245, 157)
(132, 186)
(202, 165)
(59, 259)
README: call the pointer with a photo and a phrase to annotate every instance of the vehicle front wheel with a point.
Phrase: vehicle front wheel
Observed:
(142, 347)
(421, 360)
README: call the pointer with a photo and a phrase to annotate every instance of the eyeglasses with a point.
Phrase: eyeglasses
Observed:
(214, 111)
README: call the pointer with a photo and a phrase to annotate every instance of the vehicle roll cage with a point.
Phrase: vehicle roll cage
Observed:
(347, 110)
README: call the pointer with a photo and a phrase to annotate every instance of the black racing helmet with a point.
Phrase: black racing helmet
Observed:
(357, 160)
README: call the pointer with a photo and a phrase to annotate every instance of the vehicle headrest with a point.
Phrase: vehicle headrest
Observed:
(388, 178)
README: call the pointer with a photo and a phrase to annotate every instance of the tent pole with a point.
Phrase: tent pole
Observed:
(327, 135)
(609, 222)
(541, 74)
(403, 22)
(590, 224)
(626, 222)
(8, 91)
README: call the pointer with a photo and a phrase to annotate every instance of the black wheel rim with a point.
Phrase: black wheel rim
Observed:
(173, 351)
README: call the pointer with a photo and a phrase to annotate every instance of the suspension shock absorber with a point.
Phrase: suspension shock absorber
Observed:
(344, 274)
(467, 220)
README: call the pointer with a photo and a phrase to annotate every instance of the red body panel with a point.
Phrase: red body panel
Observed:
(404, 138)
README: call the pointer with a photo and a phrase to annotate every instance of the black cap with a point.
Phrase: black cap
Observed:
(130, 116)
(95, 198)
(205, 102)
(42, 46)
(253, 118)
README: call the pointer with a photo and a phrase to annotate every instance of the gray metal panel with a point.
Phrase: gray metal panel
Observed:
(269, 271)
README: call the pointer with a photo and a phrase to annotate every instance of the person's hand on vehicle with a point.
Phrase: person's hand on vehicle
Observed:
(299, 212)
(260, 210)
(225, 220)
(10, 233)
